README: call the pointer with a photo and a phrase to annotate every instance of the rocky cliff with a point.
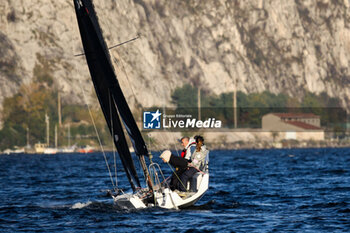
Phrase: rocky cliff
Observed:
(282, 46)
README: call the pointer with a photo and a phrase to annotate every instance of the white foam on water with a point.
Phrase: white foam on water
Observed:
(80, 205)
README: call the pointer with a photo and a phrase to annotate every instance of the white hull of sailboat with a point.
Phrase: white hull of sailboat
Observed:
(50, 151)
(165, 199)
(129, 201)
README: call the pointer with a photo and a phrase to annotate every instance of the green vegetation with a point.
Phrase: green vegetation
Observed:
(26, 111)
(186, 97)
(251, 107)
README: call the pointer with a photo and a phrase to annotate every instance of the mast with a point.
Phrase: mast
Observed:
(47, 121)
(28, 145)
(68, 134)
(235, 103)
(59, 109)
(56, 141)
(108, 91)
(199, 102)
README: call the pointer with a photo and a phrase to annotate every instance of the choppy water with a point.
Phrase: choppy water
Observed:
(302, 190)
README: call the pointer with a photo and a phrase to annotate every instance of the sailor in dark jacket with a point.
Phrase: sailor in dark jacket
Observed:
(179, 163)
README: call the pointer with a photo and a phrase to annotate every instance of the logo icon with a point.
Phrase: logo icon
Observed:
(151, 120)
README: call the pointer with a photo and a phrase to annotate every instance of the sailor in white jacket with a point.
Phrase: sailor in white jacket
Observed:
(189, 145)
(197, 160)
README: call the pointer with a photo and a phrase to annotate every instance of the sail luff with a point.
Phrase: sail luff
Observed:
(104, 80)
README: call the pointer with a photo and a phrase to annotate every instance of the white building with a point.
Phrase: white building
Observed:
(298, 126)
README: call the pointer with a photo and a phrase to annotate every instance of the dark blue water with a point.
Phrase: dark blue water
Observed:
(302, 190)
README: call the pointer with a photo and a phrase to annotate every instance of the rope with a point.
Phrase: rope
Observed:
(142, 172)
(115, 166)
(178, 177)
(97, 134)
(191, 165)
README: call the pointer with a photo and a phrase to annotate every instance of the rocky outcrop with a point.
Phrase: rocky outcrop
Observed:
(11, 69)
(282, 46)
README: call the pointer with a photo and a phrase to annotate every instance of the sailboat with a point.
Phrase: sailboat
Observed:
(118, 114)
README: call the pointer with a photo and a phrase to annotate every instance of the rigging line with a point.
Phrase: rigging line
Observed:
(114, 46)
(149, 142)
(142, 172)
(97, 134)
(164, 142)
(127, 78)
(171, 135)
(125, 42)
(114, 156)
(176, 149)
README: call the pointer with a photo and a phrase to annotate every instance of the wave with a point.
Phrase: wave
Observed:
(80, 205)
(325, 205)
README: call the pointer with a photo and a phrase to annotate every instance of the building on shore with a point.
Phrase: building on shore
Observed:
(297, 126)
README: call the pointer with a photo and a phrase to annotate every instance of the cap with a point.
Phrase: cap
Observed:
(166, 155)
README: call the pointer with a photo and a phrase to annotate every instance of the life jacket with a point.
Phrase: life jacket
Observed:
(183, 152)
(199, 158)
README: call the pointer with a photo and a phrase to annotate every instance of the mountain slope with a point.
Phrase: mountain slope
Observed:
(282, 46)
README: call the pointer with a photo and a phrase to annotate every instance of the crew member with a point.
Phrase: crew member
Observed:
(197, 162)
(180, 164)
(189, 145)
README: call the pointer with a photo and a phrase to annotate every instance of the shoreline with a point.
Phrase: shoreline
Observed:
(227, 148)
